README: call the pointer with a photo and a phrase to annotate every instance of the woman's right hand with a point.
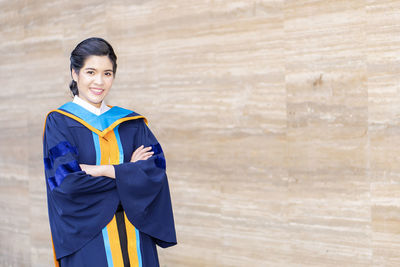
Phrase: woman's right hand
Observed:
(142, 153)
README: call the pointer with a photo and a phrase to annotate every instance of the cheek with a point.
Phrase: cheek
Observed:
(109, 82)
(87, 80)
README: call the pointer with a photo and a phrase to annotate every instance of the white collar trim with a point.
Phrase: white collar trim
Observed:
(97, 111)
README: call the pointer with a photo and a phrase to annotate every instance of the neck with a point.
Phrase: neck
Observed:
(97, 105)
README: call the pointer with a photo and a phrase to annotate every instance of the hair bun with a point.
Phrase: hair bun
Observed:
(73, 86)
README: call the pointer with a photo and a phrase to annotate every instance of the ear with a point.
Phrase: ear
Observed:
(74, 75)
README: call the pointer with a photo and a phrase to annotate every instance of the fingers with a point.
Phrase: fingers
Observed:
(137, 151)
(83, 167)
(145, 155)
(142, 153)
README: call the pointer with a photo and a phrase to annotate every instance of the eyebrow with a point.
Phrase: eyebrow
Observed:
(95, 69)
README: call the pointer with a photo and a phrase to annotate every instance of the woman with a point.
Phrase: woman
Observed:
(107, 190)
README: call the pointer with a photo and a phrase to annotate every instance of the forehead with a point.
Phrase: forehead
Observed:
(98, 62)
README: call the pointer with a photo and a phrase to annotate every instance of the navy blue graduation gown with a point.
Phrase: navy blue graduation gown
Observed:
(97, 220)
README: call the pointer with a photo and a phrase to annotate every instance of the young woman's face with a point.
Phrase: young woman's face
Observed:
(94, 79)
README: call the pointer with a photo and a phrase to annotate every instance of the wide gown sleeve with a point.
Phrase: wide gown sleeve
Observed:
(79, 204)
(144, 192)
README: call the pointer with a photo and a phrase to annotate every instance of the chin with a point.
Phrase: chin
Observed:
(95, 102)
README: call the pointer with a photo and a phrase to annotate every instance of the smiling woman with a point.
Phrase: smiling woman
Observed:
(107, 190)
(95, 79)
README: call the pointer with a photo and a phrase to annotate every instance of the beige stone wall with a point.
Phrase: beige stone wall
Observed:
(280, 121)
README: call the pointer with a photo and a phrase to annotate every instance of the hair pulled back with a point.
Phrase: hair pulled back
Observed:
(93, 46)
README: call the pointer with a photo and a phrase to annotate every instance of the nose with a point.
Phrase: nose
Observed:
(98, 79)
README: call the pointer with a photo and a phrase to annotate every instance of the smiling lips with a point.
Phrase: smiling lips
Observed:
(96, 91)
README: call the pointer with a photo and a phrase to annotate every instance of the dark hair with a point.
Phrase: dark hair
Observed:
(90, 47)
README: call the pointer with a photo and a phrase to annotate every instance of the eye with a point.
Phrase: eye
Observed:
(90, 72)
(109, 73)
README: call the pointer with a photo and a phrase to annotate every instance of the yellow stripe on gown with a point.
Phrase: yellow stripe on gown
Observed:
(110, 155)
(132, 243)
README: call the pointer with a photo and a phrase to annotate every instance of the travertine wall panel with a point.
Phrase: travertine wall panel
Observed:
(327, 105)
(383, 116)
(279, 120)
